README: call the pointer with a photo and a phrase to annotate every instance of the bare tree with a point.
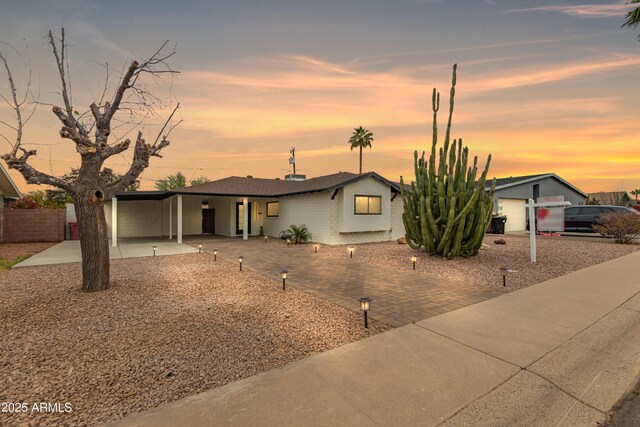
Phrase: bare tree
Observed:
(90, 131)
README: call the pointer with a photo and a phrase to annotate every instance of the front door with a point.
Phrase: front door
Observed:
(240, 218)
(208, 221)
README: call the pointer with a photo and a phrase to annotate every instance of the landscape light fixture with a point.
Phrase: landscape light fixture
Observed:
(200, 248)
(266, 238)
(155, 248)
(315, 248)
(413, 261)
(215, 254)
(505, 271)
(288, 242)
(351, 249)
(283, 275)
(240, 259)
(364, 306)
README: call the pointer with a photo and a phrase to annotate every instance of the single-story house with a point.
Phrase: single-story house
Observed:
(511, 195)
(8, 191)
(615, 198)
(337, 209)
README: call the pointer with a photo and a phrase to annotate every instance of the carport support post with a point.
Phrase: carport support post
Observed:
(114, 222)
(179, 217)
(245, 219)
(532, 231)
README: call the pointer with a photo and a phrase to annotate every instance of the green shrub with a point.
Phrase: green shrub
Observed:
(299, 233)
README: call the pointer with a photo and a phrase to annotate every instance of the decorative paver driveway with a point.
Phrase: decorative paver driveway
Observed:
(399, 297)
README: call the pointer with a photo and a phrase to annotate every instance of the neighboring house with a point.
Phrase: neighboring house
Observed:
(8, 191)
(337, 209)
(512, 193)
(614, 198)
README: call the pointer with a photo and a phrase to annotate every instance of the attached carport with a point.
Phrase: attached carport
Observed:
(161, 214)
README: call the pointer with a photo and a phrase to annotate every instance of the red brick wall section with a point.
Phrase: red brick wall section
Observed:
(33, 225)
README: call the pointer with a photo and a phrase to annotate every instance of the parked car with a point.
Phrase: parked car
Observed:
(581, 218)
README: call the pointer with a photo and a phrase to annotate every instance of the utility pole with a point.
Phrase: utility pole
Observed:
(292, 159)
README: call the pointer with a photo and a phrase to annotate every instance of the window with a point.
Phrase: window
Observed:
(368, 205)
(273, 209)
(571, 211)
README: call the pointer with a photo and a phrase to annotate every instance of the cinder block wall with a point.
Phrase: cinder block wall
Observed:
(33, 225)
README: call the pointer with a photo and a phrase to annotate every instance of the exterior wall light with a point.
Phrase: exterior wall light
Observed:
(505, 271)
(240, 259)
(364, 306)
(351, 249)
(155, 249)
(200, 248)
(413, 261)
(283, 275)
(215, 254)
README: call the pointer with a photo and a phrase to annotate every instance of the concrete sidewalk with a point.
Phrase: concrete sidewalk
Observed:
(69, 251)
(558, 353)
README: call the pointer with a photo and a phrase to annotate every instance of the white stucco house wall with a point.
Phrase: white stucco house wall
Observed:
(340, 208)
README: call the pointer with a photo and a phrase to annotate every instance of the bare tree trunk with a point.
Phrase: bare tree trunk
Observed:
(361, 160)
(94, 244)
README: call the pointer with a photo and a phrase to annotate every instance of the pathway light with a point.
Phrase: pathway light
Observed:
(505, 271)
(364, 306)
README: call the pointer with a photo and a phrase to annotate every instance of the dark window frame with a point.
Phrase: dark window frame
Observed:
(267, 210)
(369, 196)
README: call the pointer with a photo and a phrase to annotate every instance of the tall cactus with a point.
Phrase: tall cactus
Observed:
(447, 211)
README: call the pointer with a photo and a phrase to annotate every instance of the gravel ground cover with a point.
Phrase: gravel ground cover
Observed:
(556, 257)
(168, 328)
(15, 250)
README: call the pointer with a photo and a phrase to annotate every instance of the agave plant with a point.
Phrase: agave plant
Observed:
(299, 233)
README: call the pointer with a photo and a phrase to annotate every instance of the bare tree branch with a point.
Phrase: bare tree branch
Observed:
(16, 106)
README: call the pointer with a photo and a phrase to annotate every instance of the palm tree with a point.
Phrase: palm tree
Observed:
(633, 16)
(636, 193)
(361, 138)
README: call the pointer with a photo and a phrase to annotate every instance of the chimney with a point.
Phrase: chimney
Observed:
(249, 176)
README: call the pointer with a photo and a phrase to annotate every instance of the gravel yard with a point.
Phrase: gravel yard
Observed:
(15, 250)
(556, 257)
(168, 328)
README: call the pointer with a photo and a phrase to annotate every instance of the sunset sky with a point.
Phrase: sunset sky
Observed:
(544, 86)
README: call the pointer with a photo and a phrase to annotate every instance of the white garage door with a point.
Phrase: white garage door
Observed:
(516, 213)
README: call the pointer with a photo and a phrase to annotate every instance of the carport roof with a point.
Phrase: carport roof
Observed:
(143, 195)
(236, 186)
